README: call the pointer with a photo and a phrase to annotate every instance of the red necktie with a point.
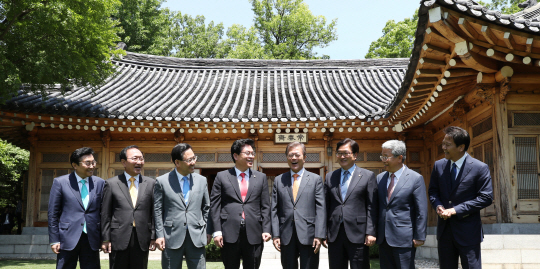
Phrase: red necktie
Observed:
(391, 186)
(243, 190)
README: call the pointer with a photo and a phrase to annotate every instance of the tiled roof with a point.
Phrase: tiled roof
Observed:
(150, 87)
(527, 23)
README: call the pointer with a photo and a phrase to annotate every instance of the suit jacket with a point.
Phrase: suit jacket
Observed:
(307, 214)
(358, 211)
(67, 215)
(172, 214)
(118, 212)
(404, 217)
(227, 205)
(472, 193)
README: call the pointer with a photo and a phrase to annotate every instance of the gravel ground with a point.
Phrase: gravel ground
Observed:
(426, 264)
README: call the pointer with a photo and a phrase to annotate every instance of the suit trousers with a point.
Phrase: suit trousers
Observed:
(449, 252)
(342, 251)
(88, 258)
(231, 253)
(130, 258)
(291, 252)
(396, 258)
(195, 257)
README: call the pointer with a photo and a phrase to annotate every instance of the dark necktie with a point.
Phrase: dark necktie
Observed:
(390, 189)
(453, 175)
(243, 190)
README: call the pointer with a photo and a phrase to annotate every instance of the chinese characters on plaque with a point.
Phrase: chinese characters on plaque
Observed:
(288, 138)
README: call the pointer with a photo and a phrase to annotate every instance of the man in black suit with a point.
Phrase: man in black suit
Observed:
(127, 222)
(352, 205)
(459, 188)
(240, 209)
(298, 212)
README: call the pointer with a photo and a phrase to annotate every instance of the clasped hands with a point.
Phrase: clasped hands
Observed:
(106, 246)
(445, 213)
(317, 242)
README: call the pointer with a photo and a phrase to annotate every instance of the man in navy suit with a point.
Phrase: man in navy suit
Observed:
(402, 209)
(459, 188)
(74, 214)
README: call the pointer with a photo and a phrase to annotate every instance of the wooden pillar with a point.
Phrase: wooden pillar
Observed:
(105, 152)
(33, 182)
(328, 159)
(501, 181)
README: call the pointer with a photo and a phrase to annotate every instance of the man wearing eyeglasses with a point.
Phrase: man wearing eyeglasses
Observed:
(181, 206)
(240, 209)
(127, 214)
(74, 213)
(402, 209)
(351, 202)
(298, 212)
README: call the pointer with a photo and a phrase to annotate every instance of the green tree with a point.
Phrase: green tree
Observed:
(397, 40)
(13, 163)
(143, 23)
(243, 43)
(288, 30)
(504, 6)
(67, 42)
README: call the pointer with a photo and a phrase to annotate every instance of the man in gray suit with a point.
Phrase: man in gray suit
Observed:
(298, 212)
(181, 210)
(402, 209)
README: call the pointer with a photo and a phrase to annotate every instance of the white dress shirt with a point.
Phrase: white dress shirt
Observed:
(300, 176)
(459, 164)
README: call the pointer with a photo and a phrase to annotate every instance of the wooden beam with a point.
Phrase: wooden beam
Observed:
(435, 17)
(528, 45)
(536, 62)
(448, 81)
(432, 62)
(421, 88)
(457, 63)
(422, 81)
(525, 79)
(527, 60)
(485, 78)
(467, 28)
(504, 73)
(502, 153)
(429, 72)
(437, 37)
(473, 60)
(496, 55)
(460, 72)
(435, 50)
(488, 35)
(509, 40)
(510, 57)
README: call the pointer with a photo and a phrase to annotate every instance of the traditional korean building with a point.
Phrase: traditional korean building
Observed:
(470, 67)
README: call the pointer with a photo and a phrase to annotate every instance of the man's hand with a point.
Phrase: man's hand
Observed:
(447, 213)
(417, 243)
(370, 240)
(152, 246)
(56, 248)
(277, 244)
(316, 245)
(208, 238)
(160, 243)
(218, 240)
(324, 242)
(106, 247)
(266, 237)
(440, 210)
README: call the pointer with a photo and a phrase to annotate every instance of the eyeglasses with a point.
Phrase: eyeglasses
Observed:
(191, 160)
(135, 159)
(384, 158)
(89, 163)
(292, 155)
(249, 153)
(344, 154)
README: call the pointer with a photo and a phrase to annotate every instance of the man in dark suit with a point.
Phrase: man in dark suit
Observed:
(181, 212)
(240, 209)
(298, 212)
(75, 213)
(127, 214)
(351, 202)
(402, 209)
(459, 188)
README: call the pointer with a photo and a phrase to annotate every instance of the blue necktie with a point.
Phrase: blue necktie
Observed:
(85, 198)
(344, 185)
(185, 189)
(453, 175)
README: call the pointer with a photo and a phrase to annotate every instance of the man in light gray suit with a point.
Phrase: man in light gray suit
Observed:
(402, 209)
(181, 210)
(298, 212)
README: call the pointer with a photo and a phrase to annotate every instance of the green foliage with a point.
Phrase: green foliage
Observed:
(243, 43)
(374, 251)
(397, 40)
(142, 23)
(212, 251)
(288, 29)
(504, 6)
(13, 163)
(67, 42)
